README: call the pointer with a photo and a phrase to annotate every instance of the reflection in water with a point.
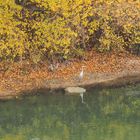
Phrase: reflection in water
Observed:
(109, 114)
(82, 97)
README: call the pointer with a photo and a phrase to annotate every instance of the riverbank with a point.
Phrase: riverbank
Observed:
(102, 70)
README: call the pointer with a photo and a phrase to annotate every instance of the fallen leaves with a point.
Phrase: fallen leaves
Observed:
(20, 77)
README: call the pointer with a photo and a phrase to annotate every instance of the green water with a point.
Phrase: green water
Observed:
(108, 114)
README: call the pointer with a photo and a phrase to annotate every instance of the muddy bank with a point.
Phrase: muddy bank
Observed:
(99, 80)
(108, 70)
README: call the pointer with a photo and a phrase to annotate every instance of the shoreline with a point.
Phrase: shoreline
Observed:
(101, 71)
(101, 81)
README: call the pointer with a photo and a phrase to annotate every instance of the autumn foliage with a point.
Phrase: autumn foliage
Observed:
(61, 29)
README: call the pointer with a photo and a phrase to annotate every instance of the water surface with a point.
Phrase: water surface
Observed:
(108, 114)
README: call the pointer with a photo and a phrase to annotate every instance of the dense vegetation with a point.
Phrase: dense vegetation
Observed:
(61, 29)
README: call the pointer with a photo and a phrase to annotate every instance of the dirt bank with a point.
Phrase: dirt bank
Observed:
(101, 71)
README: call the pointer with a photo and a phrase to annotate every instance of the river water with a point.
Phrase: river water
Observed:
(106, 114)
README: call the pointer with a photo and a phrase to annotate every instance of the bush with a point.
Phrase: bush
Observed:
(13, 40)
(60, 29)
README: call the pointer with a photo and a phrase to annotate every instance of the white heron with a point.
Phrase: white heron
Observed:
(81, 75)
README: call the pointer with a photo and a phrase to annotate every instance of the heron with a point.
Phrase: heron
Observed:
(81, 75)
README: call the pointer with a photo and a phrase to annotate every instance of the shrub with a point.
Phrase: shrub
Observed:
(60, 29)
(13, 40)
